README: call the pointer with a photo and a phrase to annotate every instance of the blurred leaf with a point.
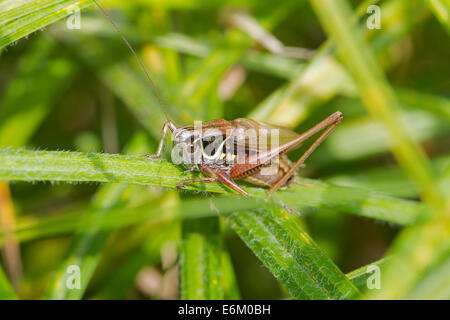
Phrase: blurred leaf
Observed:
(230, 286)
(324, 77)
(289, 68)
(32, 94)
(412, 252)
(434, 284)
(148, 254)
(376, 94)
(441, 9)
(6, 290)
(418, 242)
(119, 76)
(195, 4)
(149, 212)
(363, 137)
(204, 79)
(392, 180)
(253, 59)
(419, 100)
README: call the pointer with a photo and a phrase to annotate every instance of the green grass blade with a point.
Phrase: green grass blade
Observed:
(201, 260)
(360, 276)
(230, 286)
(291, 255)
(24, 165)
(24, 17)
(379, 207)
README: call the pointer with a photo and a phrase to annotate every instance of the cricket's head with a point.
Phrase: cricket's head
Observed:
(187, 145)
(193, 145)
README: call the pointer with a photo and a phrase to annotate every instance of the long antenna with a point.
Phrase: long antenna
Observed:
(105, 14)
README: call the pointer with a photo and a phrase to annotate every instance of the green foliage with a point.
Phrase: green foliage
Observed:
(291, 255)
(380, 99)
(120, 218)
(90, 240)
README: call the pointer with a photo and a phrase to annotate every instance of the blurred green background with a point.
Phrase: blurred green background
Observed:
(68, 89)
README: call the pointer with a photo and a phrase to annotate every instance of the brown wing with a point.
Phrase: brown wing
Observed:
(217, 124)
(220, 124)
(258, 131)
